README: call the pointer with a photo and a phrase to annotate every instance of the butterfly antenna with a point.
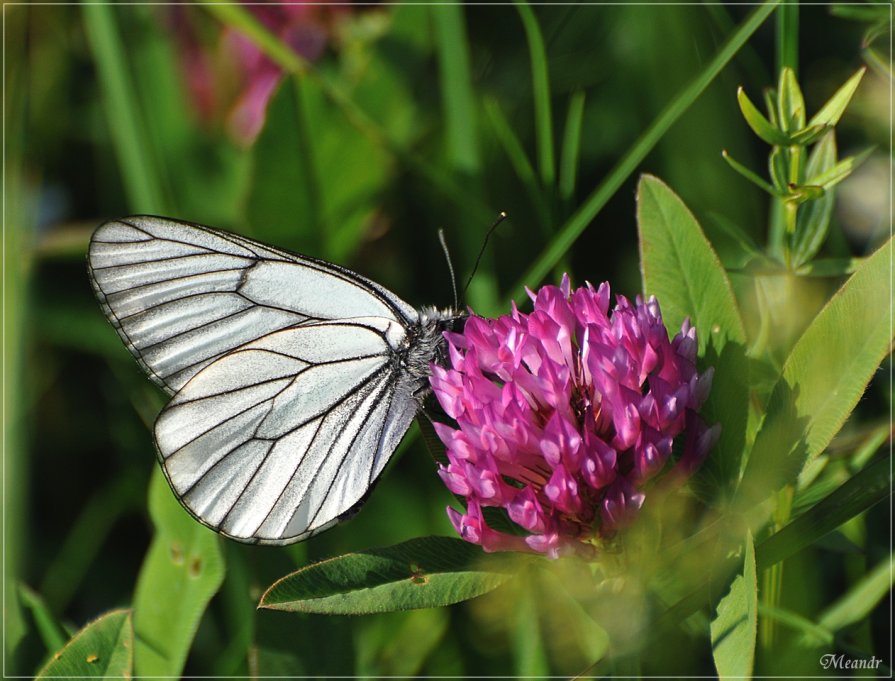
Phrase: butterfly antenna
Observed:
(447, 256)
(500, 218)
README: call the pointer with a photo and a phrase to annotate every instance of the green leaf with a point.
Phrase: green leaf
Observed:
(181, 572)
(242, 19)
(769, 95)
(832, 111)
(104, 649)
(813, 219)
(680, 268)
(810, 631)
(760, 125)
(778, 163)
(749, 175)
(738, 235)
(830, 267)
(735, 627)
(867, 488)
(832, 176)
(861, 598)
(791, 104)
(421, 573)
(823, 378)
(809, 135)
(283, 204)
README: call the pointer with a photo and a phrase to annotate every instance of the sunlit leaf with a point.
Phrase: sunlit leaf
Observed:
(421, 573)
(755, 179)
(791, 104)
(813, 219)
(181, 572)
(760, 125)
(832, 111)
(682, 270)
(833, 175)
(104, 649)
(809, 135)
(735, 627)
(823, 378)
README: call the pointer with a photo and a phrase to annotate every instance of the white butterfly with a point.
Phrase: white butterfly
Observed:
(293, 379)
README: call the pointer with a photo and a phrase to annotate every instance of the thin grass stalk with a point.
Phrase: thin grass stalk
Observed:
(134, 152)
(541, 94)
(576, 225)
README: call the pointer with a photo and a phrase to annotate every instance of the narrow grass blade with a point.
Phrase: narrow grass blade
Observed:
(512, 147)
(573, 228)
(861, 599)
(571, 146)
(48, 627)
(131, 146)
(85, 539)
(864, 490)
(541, 93)
(457, 97)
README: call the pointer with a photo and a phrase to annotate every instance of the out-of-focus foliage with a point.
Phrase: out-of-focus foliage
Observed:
(415, 118)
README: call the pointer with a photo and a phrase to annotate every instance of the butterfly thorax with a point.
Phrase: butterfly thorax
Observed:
(426, 342)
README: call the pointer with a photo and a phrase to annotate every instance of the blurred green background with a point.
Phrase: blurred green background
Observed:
(411, 119)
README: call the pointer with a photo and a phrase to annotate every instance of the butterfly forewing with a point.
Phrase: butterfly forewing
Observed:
(182, 295)
(290, 387)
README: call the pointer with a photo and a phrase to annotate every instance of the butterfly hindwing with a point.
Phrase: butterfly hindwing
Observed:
(276, 440)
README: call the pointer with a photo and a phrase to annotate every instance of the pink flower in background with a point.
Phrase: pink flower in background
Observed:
(563, 415)
(234, 76)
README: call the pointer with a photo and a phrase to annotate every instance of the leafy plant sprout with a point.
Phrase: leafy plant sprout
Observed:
(803, 181)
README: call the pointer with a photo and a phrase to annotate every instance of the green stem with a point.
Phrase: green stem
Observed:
(788, 36)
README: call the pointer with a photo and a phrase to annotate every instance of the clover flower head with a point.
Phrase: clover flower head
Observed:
(565, 414)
